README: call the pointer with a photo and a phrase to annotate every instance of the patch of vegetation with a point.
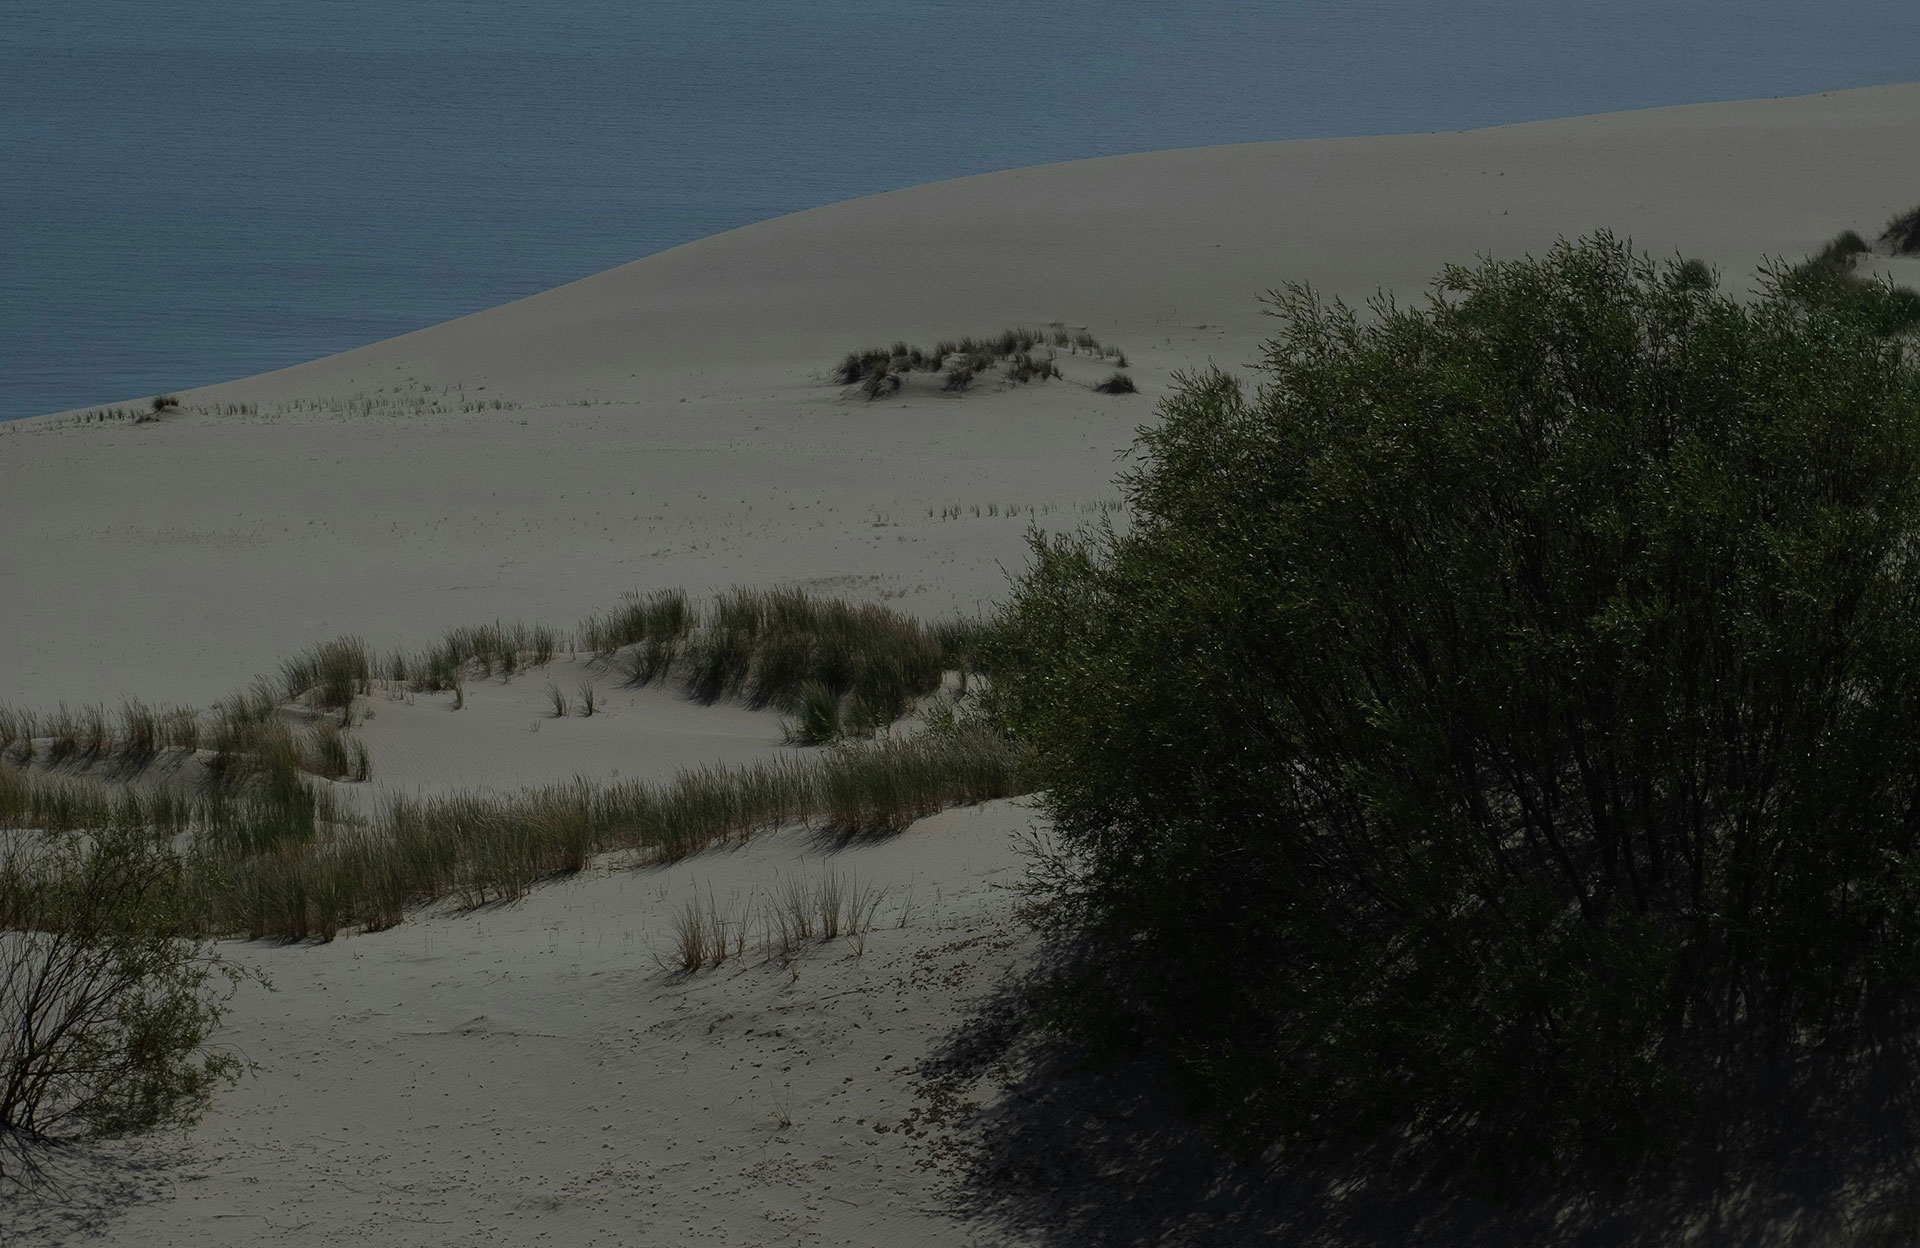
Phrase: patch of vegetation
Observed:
(798, 914)
(1828, 279)
(1498, 733)
(1118, 383)
(837, 667)
(106, 1009)
(1902, 235)
(281, 863)
(881, 371)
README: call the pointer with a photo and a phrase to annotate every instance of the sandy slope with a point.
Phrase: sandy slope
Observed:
(530, 1072)
(533, 1074)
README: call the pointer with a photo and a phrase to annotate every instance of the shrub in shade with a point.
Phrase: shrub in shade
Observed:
(1118, 383)
(1500, 731)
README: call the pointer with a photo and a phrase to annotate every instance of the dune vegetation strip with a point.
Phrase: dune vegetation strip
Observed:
(839, 669)
(280, 862)
(267, 851)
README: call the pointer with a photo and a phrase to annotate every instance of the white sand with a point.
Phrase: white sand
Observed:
(530, 1071)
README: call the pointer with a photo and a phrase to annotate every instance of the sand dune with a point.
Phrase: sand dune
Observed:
(502, 1075)
(170, 559)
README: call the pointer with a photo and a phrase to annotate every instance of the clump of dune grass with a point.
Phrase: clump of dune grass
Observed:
(324, 751)
(779, 649)
(1902, 235)
(95, 736)
(816, 720)
(1827, 279)
(1117, 383)
(705, 936)
(1024, 367)
(140, 732)
(664, 618)
(557, 701)
(16, 727)
(330, 675)
(800, 912)
(478, 649)
(881, 371)
(63, 734)
(180, 729)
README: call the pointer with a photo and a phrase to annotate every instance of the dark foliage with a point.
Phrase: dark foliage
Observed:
(1504, 726)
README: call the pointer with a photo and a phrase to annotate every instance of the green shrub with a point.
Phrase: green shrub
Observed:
(1502, 727)
(105, 1007)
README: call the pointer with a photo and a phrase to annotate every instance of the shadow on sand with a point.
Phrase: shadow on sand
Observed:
(53, 1193)
(1070, 1153)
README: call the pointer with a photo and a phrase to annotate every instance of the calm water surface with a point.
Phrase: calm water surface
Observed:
(191, 192)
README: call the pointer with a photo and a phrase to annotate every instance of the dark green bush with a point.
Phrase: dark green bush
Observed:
(1503, 727)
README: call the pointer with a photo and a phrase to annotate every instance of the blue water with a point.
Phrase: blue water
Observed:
(201, 190)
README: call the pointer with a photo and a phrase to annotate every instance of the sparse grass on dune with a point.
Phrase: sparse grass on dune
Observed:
(880, 371)
(799, 912)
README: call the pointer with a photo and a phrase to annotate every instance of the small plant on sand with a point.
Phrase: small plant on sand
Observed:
(1117, 383)
(589, 699)
(557, 701)
(159, 404)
